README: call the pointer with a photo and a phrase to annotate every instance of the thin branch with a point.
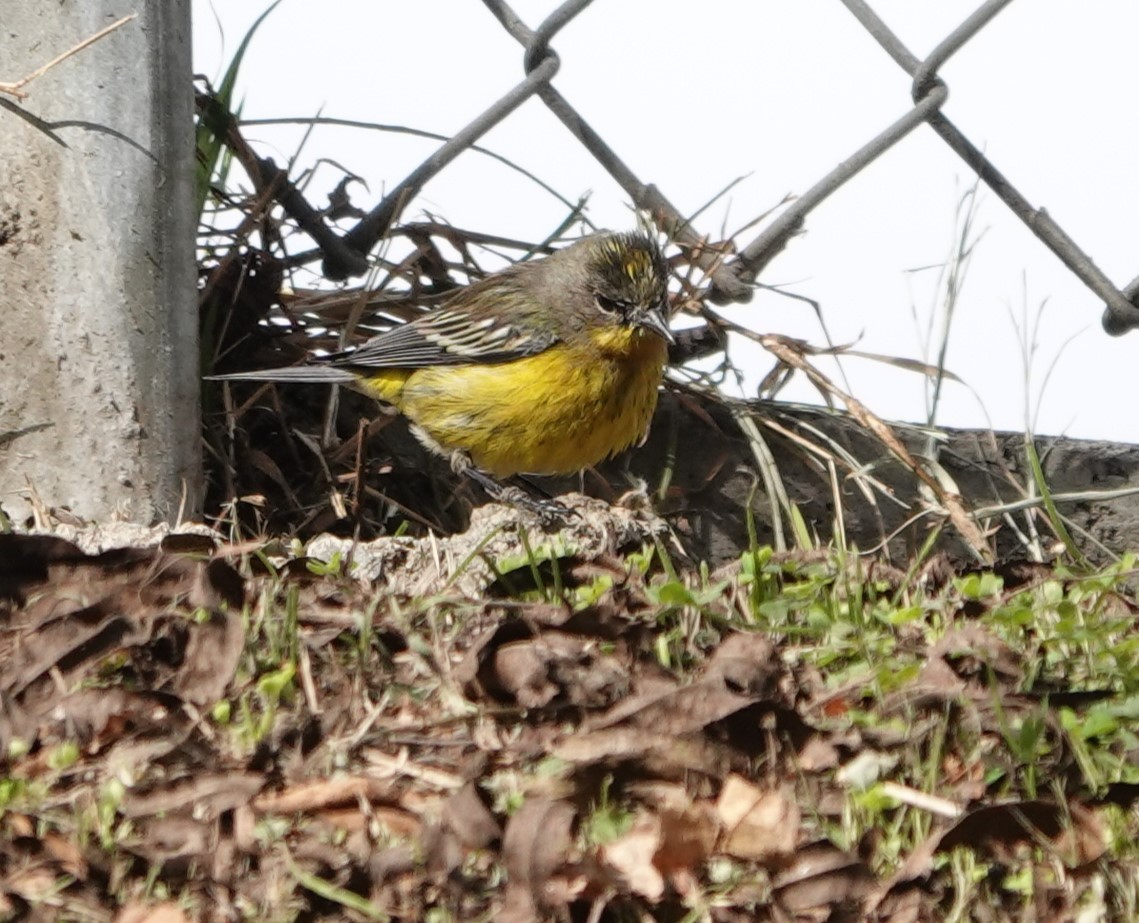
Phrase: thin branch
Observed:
(15, 89)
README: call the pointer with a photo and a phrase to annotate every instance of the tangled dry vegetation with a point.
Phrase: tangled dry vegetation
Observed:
(442, 711)
(513, 724)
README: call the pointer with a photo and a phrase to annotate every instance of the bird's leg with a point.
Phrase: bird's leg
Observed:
(549, 511)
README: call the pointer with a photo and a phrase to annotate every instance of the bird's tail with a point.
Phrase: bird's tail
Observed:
(326, 374)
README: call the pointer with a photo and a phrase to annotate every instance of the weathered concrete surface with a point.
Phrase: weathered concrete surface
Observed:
(98, 327)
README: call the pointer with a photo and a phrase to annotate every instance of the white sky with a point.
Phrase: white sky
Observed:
(782, 90)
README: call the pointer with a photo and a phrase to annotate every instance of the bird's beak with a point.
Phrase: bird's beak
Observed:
(653, 320)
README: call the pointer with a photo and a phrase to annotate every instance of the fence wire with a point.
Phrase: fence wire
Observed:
(732, 278)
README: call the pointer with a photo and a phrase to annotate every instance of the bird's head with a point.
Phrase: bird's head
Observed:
(626, 277)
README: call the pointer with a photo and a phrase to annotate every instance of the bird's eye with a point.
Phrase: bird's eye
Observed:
(608, 305)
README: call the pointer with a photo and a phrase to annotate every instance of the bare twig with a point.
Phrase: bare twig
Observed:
(16, 89)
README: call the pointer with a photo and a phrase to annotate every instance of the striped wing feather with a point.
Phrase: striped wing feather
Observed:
(466, 329)
(445, 337)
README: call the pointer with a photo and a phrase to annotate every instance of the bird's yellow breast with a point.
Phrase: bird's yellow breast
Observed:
(555, 412)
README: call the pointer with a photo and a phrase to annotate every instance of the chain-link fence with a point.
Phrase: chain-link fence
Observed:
(728, 273)
(731, 278)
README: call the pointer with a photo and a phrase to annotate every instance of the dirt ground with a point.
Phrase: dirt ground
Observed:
(520, 724)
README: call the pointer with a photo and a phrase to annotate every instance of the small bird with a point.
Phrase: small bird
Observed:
(546, 367)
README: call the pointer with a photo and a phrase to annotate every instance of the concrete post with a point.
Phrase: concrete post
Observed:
(99, 406)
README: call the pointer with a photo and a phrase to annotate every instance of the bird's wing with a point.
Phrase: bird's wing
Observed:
(489, 321)
(446, 337)
(467, 328)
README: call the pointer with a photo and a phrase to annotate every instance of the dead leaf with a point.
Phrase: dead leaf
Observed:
(660, 754)
(212, 652)
(688, 834)
(535, 847)
(1073, 831)
(66, 853)
(747, 663)
(154, 913)
(319, 794)
(207, 795)
(631, 856)
(470, 819)
(759, 825)
(821, 876)
(547, 656)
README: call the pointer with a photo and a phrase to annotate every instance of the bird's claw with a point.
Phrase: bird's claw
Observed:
(548, 510)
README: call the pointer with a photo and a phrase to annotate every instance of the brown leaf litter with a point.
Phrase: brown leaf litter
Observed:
(185, 738)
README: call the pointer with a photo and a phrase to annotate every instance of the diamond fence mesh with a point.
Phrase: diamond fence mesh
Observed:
(726, 273)
(731, 278)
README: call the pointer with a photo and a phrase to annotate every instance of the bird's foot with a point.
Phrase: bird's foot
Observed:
(548, 510)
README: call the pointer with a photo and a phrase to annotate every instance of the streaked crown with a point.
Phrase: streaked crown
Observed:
(629, 269)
